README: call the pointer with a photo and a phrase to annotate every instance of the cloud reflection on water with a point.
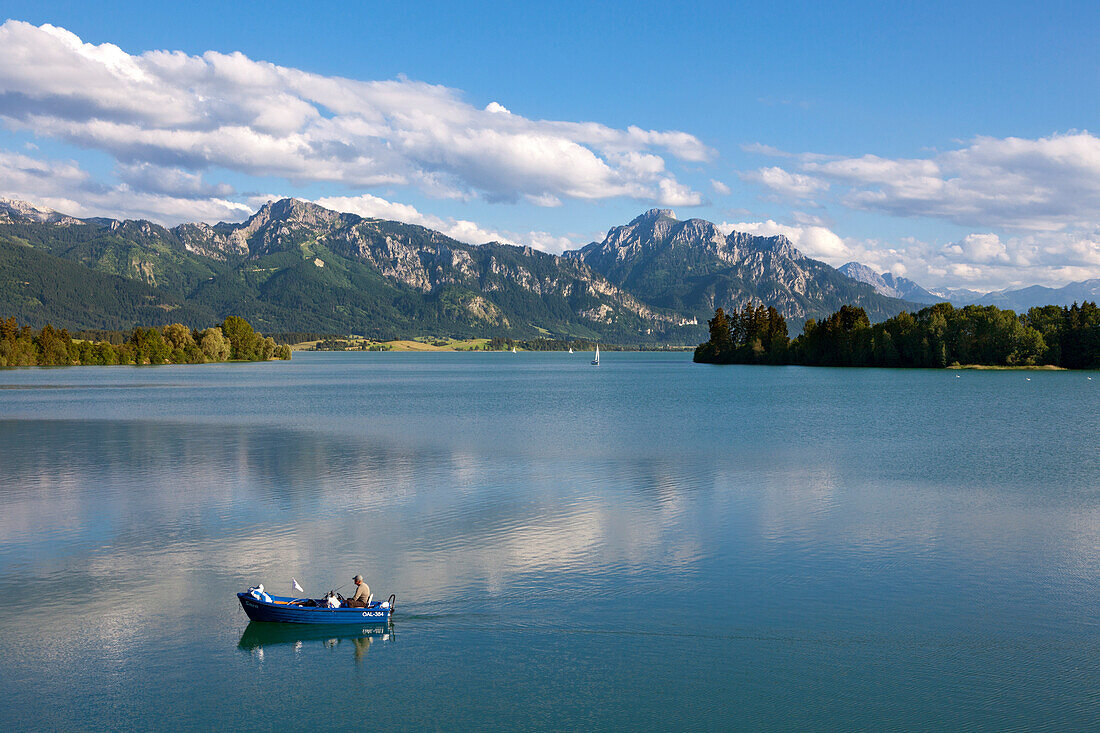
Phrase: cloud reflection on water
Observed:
(122, 505)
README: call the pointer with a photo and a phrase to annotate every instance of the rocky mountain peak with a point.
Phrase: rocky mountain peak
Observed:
(740, 244)
(21, 210)
(854, 269)
(888, 284)
(264, 231)
(294, 210)
(653, 215)
(864, 274)
(782, 246)
(693, 267)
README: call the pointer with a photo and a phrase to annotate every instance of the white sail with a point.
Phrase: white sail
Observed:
(596, 361)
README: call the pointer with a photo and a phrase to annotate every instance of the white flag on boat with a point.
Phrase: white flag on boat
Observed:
(295, 586)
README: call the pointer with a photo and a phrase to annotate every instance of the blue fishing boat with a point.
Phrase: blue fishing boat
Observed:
(289, 610)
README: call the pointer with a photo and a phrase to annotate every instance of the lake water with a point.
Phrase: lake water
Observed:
(650, 542)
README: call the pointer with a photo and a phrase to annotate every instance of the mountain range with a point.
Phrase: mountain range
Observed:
(296, 266)
(890, 285)
(1019, 300)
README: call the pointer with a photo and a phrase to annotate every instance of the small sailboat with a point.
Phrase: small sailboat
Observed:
(596, 361)
(571, 351)
(513, 349)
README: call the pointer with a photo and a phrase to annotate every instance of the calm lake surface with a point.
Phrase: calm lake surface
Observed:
(650, 542)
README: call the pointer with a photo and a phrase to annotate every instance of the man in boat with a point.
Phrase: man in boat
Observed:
(362, 593)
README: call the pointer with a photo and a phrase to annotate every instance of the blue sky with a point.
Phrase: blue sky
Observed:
(950, 144)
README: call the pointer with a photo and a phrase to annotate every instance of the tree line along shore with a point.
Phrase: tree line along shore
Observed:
(428, 343)
(935, 337)
(233, 340)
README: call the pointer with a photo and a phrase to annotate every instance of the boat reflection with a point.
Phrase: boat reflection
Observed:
(259, 636)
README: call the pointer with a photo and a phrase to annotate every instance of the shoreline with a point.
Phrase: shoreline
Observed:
(1033, 368)
(456, 345)
(357, 344)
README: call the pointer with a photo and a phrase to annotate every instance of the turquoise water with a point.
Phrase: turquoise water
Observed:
(650, 542)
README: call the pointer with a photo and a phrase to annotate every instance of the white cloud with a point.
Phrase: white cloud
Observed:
(548, 242)
(375, 207)
(815, 241)
(719, 188)
(770, 151)
(978, 248)
(784, 183)
(545, 200)
(984, 261)
(64, 186)
(173, 110)
(464, 231)
(170, 181)
(675, 194)
(1046, 184)
(1034, 202)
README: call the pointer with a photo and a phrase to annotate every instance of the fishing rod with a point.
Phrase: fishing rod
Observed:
(333, 592)
(336, 593)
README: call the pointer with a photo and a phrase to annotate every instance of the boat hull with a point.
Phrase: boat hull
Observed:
(279, 611)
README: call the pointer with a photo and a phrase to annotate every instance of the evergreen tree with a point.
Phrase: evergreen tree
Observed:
(720, 336)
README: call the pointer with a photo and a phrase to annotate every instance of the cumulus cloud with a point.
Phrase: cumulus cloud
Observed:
(177, 111)
(178, 197)
(375, 207)
(1046, 184)
(719, 188)
(1034, 203)
(171, 182)
(547, 242)
(983, 261)
(814, 241)
(675, 194)
(784, 183)
(978, 248)
(64, 186)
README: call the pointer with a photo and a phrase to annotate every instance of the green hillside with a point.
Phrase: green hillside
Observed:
(39, 288)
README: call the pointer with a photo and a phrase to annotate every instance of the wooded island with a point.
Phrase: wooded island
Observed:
(936, 337)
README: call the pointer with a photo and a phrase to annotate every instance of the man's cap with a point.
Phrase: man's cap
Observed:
(357, 577)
